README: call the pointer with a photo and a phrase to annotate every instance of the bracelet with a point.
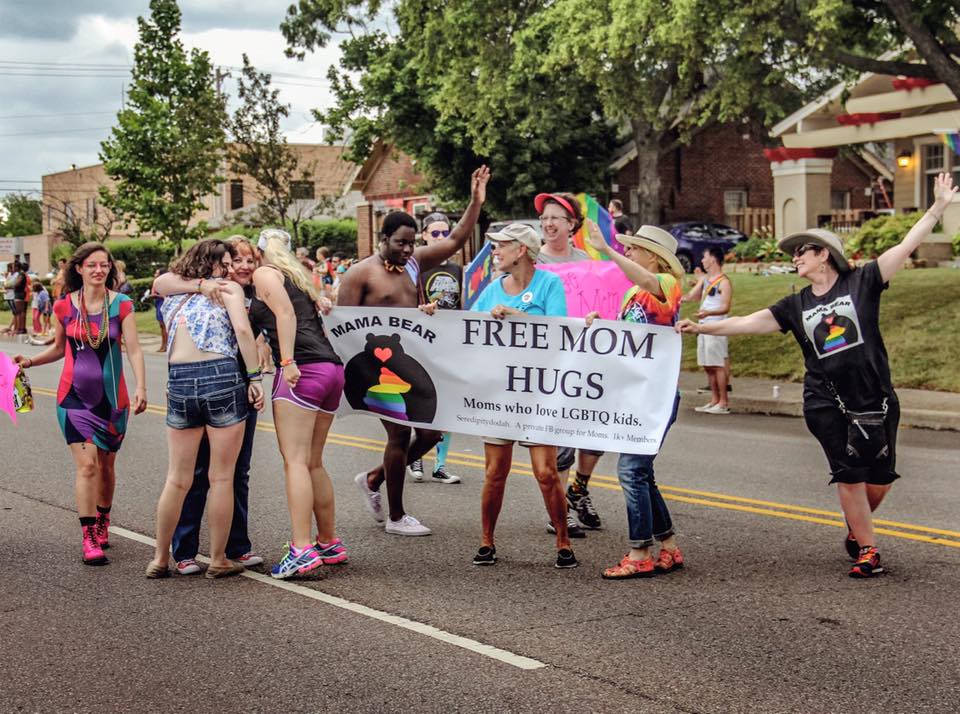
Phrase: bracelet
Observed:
(935, 216)
(255, 379)
(289, 360)
(199, 284)
(31, 363)
(253, 374)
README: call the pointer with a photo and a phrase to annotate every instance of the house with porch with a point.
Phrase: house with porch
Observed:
(910, 121)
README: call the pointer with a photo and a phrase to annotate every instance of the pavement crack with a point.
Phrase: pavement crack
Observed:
(534, 628)
(621, 687)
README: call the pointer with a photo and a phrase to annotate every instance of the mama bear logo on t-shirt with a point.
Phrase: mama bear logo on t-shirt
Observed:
(834, 327)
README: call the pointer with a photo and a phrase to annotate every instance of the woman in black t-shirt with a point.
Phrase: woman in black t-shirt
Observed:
(306, 392)
(836, 322)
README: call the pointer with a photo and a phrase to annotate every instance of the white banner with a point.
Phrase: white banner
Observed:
(545, 380)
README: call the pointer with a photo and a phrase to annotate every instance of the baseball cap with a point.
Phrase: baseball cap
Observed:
(520, 232)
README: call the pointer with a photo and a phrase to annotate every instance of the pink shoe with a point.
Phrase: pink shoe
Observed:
(103, 530)
(92, 552)
(333, 552)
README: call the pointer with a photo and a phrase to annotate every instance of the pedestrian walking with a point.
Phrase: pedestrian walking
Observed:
(521, 290)
(849, 403)
(207, 395)
(92, 401)
(650, 262)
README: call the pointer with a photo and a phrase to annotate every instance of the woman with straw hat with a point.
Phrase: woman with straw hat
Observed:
(651, 263)
(849, 403)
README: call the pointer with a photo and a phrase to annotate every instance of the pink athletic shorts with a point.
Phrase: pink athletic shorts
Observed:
(318, 389)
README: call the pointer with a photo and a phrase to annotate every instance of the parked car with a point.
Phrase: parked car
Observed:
(694, 236)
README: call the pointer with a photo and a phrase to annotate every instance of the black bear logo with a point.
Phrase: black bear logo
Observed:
(835, 332)
(386, 380)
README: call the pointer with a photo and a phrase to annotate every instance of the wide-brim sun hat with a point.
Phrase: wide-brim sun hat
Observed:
(520, 232)
(816, 236)
(658, 242)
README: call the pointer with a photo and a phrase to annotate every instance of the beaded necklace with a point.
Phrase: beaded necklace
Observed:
(104, 327)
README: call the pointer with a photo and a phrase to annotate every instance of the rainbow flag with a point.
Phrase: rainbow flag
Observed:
(477, 275)
(953, 141)
(598, 214)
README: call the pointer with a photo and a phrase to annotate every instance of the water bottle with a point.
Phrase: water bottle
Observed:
(776, 391)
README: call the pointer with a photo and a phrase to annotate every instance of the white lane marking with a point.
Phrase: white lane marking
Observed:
(466, 643)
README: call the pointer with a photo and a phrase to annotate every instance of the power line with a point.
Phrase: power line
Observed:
(61, 131)
(18, 181)
(50, 116)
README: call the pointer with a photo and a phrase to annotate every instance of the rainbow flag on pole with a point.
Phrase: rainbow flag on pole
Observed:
(477, 275)
(598, 214)
(952, 139)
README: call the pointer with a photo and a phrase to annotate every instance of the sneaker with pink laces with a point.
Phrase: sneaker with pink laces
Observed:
(92, 552)
(103, 529)
(333, 552)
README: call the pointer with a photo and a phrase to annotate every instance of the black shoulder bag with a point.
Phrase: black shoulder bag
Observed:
(866, 431)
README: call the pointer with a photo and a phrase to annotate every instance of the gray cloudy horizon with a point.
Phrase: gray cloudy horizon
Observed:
(56, 113)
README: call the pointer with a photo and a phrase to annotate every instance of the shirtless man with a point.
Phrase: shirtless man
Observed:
(391, 278)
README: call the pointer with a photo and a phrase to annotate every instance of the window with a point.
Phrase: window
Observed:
(734, 201)
(301, 190)
(839, 200)
(934, 161)
(236, 195)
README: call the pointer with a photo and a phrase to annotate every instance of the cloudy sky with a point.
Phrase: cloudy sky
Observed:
(64, 64)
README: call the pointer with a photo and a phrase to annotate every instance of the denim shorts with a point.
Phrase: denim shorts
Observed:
(209, 393)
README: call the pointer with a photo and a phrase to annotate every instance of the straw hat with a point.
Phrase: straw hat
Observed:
(820, 237)
(658, 242)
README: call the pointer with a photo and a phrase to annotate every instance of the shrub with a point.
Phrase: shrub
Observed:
(63, 250)
(340, 236)
(761, 246)
(878, 234)
(956, 244)
(142, 255)
(139, 286)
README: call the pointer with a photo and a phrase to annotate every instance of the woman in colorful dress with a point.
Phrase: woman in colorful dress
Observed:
(650, 262)
(307, 388)
(92, 401)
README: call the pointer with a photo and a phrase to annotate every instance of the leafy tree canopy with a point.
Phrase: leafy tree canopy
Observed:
(23, 215)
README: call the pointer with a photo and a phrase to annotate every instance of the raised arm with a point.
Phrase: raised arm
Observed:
(172, 284)
(636, 274)
(893, 258)
(761, 322)
(430, 256)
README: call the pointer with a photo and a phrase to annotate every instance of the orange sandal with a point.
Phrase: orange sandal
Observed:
(668, 561)
(627, 568)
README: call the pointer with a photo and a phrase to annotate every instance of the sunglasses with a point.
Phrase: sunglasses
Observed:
(804, 248)
(437, 234)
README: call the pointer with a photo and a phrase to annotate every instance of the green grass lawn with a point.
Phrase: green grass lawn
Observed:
(919, 317)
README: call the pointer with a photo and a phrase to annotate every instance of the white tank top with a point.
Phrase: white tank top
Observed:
(710, 297)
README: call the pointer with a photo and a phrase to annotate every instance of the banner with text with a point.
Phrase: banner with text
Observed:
(591, 285)
(543, 380)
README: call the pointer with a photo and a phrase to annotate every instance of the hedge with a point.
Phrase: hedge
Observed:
(139, 287)
(880, 233)
(339, 236)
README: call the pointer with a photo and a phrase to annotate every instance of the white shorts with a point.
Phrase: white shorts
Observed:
(711, 350)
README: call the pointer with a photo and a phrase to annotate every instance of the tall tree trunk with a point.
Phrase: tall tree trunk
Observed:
(648, 175)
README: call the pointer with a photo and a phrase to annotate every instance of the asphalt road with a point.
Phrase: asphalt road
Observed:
(763, 619)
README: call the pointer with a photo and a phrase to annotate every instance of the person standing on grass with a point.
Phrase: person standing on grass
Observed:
(836, 321)
(715, 293)
(442, 286)
(92, 402)
(650, 262)
(391, 278)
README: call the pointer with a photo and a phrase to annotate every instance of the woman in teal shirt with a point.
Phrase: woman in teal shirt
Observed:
(521, 289)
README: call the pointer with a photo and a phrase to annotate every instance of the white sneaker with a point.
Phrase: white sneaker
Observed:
(407, 526)
(249, 559)
(188, 567)
(705, 408)
(371, 499)
(415, 470)
(717, 409)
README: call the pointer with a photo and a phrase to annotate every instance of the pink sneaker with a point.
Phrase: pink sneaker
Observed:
(333, 552)
(92, 552)
(103, 530)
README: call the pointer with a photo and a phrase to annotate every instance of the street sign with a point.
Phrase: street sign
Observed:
(8, 246)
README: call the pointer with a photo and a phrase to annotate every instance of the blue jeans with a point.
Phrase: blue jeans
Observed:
(186, 538)
(647, 514)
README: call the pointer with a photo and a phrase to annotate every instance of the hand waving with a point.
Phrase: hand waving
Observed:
(944, 191)
(595, 236)
(478, 184)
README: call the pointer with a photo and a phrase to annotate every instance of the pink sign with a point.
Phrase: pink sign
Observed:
(591, 285)
(8, 373)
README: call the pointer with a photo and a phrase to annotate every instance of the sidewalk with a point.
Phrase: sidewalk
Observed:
(918, 408)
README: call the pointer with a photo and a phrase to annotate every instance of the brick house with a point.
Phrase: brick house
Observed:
(725, 176)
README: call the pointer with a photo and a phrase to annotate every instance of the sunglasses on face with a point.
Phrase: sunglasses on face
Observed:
(437, 234)
(798, 253)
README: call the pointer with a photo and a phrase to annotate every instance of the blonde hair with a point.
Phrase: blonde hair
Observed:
(279, 256)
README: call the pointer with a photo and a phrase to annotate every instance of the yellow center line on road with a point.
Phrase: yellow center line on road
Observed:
(710, 499)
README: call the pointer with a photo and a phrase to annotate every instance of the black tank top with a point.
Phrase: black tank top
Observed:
(310, 344)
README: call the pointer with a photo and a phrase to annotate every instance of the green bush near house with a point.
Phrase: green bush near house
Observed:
(956, 244)
(250, 232)
(880, 233)
(761, 246)
(140, 287)
(340, 236)
(142, 255)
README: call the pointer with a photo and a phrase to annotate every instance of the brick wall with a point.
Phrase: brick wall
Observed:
(693, 178)
(395, 177)
(365, 230)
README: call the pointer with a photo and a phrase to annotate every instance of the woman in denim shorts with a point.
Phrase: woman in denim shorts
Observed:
(206, 394)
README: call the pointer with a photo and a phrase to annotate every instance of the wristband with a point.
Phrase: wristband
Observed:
(254, 373)
(255, 379)
(199, 284)
(289, 360)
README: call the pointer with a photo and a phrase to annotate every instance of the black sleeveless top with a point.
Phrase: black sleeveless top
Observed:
(310, 344)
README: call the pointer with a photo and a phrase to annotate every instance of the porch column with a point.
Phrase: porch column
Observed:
(801, 192)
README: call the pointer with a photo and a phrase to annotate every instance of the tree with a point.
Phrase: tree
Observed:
(539, 132)
(261, 151)
(67, 225)
(539, 88)
(166, 149)
(24, 215)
